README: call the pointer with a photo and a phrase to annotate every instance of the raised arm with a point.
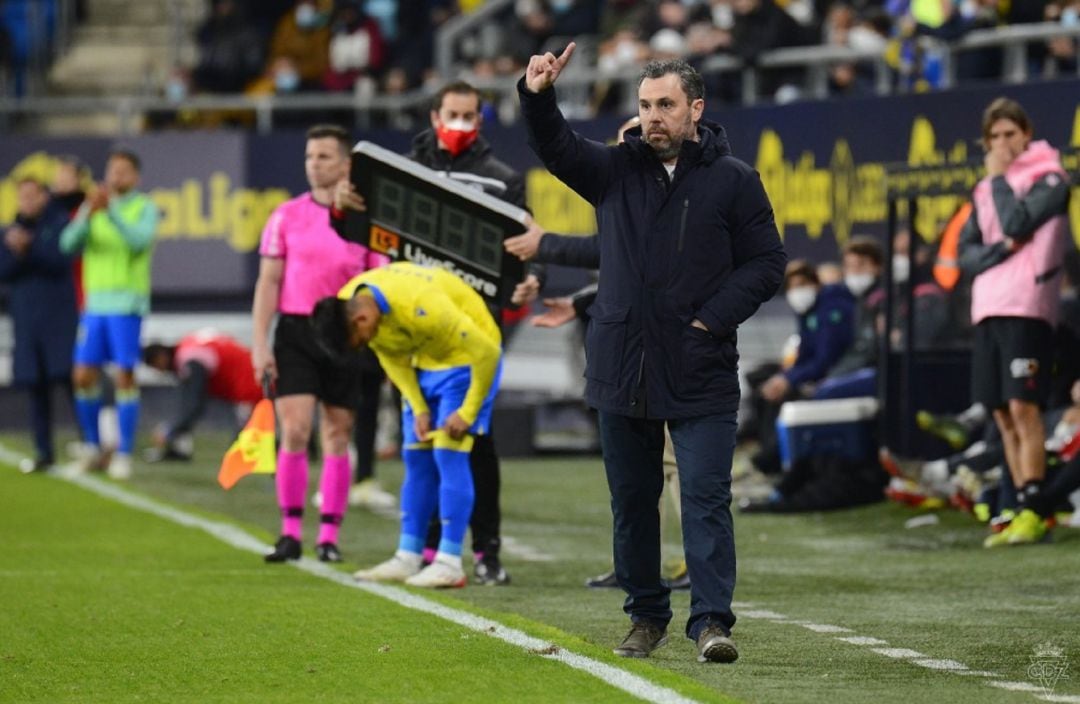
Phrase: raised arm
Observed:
(585, 166)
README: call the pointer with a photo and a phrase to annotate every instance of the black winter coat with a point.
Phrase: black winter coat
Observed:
(702, 245)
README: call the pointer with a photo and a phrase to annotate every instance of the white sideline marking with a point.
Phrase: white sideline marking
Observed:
(520, 550)
(863, 640)
(898, 652)
(914, 657)
(231, 535)
(1019, 687)
(822, 627)
(933, 664)
(763, 613)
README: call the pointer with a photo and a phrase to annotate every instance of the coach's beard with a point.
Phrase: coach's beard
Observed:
(666, 146)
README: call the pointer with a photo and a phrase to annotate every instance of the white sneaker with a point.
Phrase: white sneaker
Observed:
(398, 568)
(120, 467)
(87, 457)
(368, 494)
(438, 575)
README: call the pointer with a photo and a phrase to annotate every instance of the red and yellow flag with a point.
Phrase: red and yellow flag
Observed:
(253, 451)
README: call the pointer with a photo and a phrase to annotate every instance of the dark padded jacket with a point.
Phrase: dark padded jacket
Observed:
(701, 245)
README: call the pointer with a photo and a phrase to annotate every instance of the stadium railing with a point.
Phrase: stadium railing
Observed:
(580, 80)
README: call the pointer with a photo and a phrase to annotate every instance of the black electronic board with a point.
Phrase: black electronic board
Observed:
(420, 215)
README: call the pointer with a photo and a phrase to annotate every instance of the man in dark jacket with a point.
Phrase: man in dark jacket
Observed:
(42, 306)
(689, 250)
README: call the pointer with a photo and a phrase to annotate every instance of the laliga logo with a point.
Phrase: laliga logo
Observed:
(1048, 665)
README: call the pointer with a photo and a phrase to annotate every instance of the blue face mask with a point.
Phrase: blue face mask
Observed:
(175, 91)
(307, 17)
(286, 81)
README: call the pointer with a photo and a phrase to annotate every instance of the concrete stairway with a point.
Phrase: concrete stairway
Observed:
(127, 47)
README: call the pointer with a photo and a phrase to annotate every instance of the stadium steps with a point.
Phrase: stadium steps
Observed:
(124, 48)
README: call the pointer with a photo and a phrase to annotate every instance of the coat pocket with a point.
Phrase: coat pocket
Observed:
(707, 362)
(604, 342)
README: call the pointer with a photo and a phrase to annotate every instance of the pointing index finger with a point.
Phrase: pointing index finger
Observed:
(565, 56)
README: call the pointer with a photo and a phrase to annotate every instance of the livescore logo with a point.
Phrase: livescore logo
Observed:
(390, 244)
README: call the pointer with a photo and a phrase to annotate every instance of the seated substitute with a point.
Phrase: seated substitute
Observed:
(436, 342)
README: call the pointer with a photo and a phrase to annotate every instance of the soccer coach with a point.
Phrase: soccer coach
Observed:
(689, 250)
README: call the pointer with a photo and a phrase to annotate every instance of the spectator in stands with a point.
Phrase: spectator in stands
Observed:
(42, 307)
(265, 14)
(870, 32)
(303, 37)
(1014, 245)
(761, 25)
(208, 365)
(412, 47)
(357, 49)
(1061, 52)
(114, 229)
(541, 20)
(231, 50)
(282, 77)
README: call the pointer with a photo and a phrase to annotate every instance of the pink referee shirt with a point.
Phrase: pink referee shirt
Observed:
(317, 262)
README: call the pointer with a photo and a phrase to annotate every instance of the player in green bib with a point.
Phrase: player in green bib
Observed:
(114, 230)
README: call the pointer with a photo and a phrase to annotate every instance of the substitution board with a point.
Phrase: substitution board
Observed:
(420, 215)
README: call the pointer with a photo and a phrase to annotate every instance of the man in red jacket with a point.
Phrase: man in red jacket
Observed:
(208, 365)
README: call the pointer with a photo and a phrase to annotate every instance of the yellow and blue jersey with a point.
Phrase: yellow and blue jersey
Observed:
(431, 320)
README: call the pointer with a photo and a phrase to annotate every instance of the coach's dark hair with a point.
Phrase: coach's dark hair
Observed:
(690, 79)
(127, 155)
(328, 131)
(866, 246)
(458, 87)
(330, 325)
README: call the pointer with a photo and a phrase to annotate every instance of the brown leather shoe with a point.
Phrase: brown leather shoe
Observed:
(715, 646)
(642, 639)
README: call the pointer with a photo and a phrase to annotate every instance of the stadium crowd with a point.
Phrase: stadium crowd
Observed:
(386, 46)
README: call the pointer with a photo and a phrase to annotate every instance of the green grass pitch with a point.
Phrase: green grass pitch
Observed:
(104, 603)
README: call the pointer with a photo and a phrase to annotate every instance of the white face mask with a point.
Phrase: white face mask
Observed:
(859, 284)
(901, 268)
(801, 299)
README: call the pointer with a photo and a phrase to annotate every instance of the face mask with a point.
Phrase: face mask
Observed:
(801, 299)
(457, 135)
(859, 284)
(286, 81)
(175, 91)
(901, 269)
(307, 17)
(723, 16)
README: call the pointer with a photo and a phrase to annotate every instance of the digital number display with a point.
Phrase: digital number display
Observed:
(428, 220)
(419, 215)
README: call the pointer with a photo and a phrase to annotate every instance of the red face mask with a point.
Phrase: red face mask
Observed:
(457, 135)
